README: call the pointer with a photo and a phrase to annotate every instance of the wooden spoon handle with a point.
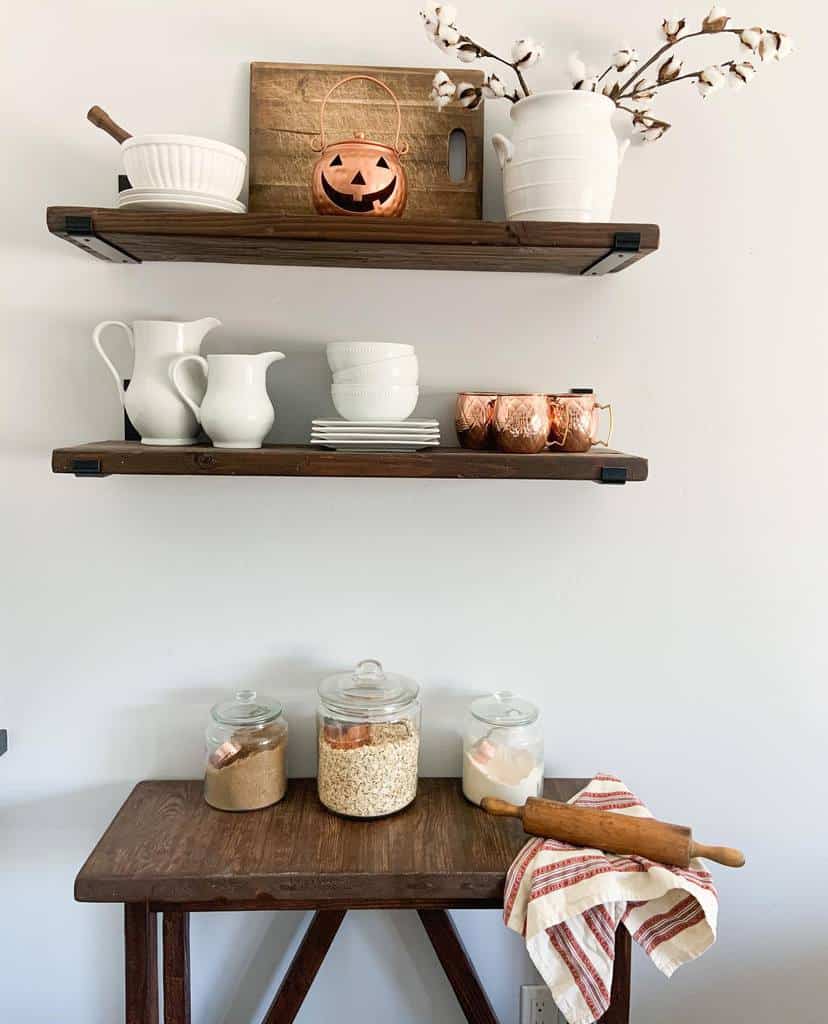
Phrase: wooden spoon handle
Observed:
(102, 120)
(500, 807)
(720, 854)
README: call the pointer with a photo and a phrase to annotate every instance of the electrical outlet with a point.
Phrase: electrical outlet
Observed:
(537, 1006)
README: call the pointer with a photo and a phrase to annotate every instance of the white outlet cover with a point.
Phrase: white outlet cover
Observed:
(538, 1007)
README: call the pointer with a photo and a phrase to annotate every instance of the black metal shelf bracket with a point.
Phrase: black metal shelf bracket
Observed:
(613, 474)
(626, 247)
(87, 467)
(4, 741)
(80, 231)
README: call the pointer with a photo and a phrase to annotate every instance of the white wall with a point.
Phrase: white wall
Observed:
(672, 631)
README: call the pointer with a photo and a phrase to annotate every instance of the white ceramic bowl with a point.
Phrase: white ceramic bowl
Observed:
(391, 403)
(343, 355)
(184, 162)
(400, 370)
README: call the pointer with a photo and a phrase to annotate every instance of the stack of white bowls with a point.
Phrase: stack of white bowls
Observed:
(373, 380)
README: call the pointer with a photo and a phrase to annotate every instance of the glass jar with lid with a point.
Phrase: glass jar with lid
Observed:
(369, 741)
(502, 749)
(246, 753)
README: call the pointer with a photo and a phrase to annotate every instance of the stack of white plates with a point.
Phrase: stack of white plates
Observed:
(176, 199)
(376, 435)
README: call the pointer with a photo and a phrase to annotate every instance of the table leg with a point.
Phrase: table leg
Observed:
(619, 1007)
(140, 964)
(459, 969)
(176, 929)
(304, 966)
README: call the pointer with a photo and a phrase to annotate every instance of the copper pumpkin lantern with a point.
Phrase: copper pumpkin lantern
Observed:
(359, 177)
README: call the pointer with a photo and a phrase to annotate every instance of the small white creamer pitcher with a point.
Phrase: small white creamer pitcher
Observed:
(236, 411)
(152, 404)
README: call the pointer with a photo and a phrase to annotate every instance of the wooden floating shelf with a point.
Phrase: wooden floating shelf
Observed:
(129, 236)
(105, 458)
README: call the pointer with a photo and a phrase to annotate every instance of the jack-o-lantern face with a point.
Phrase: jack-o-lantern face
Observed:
(359, 178)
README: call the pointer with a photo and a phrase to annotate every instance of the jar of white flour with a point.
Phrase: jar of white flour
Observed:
(502, 749)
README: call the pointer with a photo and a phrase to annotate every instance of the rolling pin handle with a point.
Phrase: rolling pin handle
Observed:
(720, 854)
(500, 807)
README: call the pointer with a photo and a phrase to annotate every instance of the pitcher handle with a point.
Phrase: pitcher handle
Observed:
(175, 365)
(96, 341)
(608, 407)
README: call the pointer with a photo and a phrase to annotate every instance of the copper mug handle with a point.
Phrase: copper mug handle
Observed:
(318, 142)
(608, 407)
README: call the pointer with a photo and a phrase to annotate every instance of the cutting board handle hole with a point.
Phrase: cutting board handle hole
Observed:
(458, 155)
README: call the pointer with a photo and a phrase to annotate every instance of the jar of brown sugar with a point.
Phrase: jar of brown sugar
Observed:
(246, 753)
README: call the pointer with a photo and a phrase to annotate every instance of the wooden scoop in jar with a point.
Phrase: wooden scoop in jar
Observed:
(613, 833)
(102, 120)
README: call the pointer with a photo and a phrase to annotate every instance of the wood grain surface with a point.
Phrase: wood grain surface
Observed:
(285, 104)
(136, 459)
(176, 952)
(459, 969)
(514, 246)
(140, 964)
(166, 845)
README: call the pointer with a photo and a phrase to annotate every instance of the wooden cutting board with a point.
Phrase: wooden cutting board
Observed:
(285, 104)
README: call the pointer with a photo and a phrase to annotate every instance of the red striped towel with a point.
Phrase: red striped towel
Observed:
(567, 902)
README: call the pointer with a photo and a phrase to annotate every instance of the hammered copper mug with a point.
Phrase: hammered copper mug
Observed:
(574, 420)
(473, 416)
(522, 424)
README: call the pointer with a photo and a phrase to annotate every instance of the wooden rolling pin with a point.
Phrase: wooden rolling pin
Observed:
(102, 120)
(614, 833)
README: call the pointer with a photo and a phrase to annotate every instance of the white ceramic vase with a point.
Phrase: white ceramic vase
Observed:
(155, 409)
(236, 411)
(561, 163)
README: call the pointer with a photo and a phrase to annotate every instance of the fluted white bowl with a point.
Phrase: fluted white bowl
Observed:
(400, 370)
(392, 403)
(184, 162)
(344, 355)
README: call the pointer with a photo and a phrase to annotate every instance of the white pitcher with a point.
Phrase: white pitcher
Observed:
(152, 404)
(563, 158)
(236, 411)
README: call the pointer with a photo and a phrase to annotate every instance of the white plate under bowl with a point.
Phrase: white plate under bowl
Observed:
(375, 424)
(376, 445)
(175, 199)
(316, 436)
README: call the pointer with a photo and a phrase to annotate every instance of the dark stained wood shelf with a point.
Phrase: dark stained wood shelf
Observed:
(105, 458)
(166, 845)
(129, 236)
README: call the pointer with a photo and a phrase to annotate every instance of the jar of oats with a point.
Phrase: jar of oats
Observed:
(369, 741)
(246, 753)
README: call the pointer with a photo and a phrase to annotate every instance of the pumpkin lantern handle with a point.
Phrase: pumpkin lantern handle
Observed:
(318, 143)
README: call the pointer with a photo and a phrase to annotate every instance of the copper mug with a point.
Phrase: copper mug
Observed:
(521, 424)
(473, 419)
(574, 420)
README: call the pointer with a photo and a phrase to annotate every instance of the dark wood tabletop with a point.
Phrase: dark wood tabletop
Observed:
(167, 846)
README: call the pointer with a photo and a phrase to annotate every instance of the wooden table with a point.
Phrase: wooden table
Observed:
(167, 852)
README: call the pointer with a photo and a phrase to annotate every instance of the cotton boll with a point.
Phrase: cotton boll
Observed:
(526, 52)
(447, 35)
(467, 52)
(750, 38)
(670, 70)
(716, 20)
(626, 57)
(710, 80)
(469, 95)
(671, 28)
(740, 74)
(493, 87)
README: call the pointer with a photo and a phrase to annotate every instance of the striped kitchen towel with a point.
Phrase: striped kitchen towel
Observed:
(567, 902)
